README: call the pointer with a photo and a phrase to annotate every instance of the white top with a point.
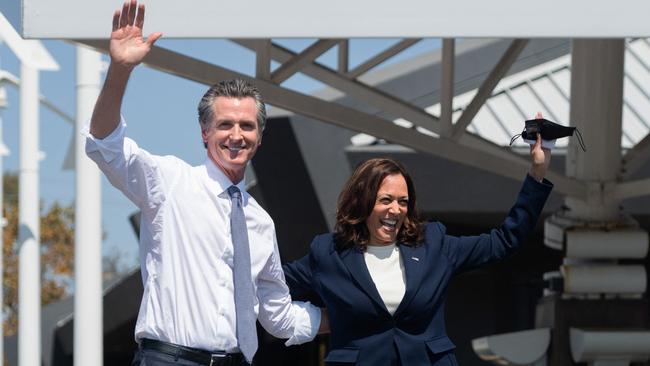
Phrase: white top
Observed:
(186, 251)
(387, 272)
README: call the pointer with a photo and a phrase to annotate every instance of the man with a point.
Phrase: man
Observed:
(208, 252)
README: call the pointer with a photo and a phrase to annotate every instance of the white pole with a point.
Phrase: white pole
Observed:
(597, 74)
(88, 330)
(3, 104)
(3, 223)
(29, 277)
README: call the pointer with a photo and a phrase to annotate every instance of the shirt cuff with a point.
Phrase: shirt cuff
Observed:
(110, 146)
(307, 321)
(547, 144)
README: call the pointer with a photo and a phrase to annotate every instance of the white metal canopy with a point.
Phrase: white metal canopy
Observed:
(30, 53)
(345, 19)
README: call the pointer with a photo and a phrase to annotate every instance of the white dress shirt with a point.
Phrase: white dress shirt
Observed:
(186, 251)
(387, 272)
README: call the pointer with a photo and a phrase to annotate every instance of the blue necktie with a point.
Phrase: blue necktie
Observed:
(244, 294)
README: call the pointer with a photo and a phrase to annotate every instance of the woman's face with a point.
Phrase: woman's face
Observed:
(391, 206)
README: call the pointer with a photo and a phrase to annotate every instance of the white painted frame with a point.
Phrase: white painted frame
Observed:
(345, 19)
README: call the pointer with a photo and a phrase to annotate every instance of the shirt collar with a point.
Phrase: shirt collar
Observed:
(218, 176)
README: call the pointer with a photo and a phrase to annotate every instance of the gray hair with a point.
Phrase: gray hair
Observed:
(235, 88)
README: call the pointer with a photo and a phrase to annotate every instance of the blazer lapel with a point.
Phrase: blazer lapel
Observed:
(413, 259)
(356, 264)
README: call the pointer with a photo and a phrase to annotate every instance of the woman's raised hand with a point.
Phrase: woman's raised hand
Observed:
(540, 157)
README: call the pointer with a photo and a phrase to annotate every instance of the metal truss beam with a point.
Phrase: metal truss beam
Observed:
(386, 103)
(381, 57)
(635, 188)
(447, 86)
(356, 89)
(344, 56)
(200, 71)
(263, 59)
(297, 62)
(485, 90)
(634, 159)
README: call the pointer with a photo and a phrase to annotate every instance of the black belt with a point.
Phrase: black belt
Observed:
(193, 354)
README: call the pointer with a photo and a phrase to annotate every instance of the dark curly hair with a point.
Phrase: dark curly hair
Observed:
(357, 200)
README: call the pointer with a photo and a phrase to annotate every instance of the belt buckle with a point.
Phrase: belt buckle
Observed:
(216, 357)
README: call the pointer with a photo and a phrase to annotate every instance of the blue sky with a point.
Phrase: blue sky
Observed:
(160, 110)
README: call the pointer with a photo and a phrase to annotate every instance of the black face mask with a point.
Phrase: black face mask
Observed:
(549, 131)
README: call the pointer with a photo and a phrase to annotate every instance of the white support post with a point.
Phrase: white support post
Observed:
(3, 221)
(88, 314)
(597, 110)
(29, 277)
(593, 232)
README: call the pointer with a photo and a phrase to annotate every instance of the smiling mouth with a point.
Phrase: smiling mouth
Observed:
(389, 224)
(233, 149)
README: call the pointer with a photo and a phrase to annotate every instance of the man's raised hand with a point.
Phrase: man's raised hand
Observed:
(128, 47)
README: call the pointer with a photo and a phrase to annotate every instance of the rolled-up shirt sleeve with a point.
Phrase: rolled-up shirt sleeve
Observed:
(307, 322)
(279, 315)
(129, 168)
(109, 147)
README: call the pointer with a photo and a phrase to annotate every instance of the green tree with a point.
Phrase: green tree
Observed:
(57, 252)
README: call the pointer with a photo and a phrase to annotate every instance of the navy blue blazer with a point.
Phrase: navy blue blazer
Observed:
(363, 332)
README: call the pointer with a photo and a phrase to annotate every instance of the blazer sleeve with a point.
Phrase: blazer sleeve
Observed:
(300, 279)
(298, 276)
(467, 252)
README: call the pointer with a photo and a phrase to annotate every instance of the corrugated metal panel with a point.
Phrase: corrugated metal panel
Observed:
(546, 87)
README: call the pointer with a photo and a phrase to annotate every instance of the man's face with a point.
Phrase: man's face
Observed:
(233, 136)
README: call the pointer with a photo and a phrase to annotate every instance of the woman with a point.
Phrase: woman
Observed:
(383, 274)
